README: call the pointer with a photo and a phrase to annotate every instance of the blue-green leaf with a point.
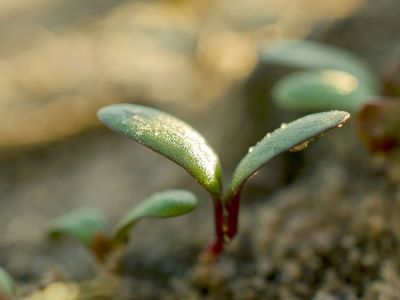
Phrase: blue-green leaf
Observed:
(83, 224)
(7, 285)
(321, 90)
(168, 136)
(311, 55)
(165, 204)
(294, 135)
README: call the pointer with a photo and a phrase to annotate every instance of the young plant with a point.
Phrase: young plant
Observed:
(329, 78)
(180, 143)
(7, 286)
(335, 79)
(89, 226)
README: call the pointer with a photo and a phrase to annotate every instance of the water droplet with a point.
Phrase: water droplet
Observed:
(268, 135)
(340, 125)
(299, 147)
(283, 125)
(251, 149)
(253, 175)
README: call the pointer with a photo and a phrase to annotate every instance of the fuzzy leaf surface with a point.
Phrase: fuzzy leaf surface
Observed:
(167, 136)
(321, 90)
(7, 285)
(165, 204)
(83, 224)
(290, 136)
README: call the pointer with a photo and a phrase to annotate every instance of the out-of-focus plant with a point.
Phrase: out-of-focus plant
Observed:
(180, 143)
(90, 228)
(7, 286)
(330, 78)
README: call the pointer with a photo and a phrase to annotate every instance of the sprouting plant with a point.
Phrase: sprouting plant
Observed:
(89, 226)
(180, 143)
(7, 286)
(331, 78)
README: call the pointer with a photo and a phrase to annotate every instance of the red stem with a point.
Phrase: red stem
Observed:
(226, 225)
(233, 215)
(217, 246)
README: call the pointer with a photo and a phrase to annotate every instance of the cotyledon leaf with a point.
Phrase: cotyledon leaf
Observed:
(83, 224)
(294, 135)
(165, 204)
(312, 55)
(320, 90)
(168, 136)
(7, 285)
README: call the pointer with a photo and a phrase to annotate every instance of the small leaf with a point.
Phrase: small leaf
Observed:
(7, 285)
(166, 204)
(378, 125)
(82, 224)
(168, 136)
(327, 89)
(311, 55)
(285, 138)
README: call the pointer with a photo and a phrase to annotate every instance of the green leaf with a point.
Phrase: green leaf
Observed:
(321, 90)
(83, 224)
(168, 136)
(165, 204)
(7, 285)
(293, 136)
(311, 55)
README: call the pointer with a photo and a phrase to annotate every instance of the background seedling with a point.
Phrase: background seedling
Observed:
(90, 228)
(180, 143)
(83, 224)
(331, 78)
(7, 286)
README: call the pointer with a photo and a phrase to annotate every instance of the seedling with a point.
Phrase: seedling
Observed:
(335, 79)
(7, 286)
(180, 143)
(90, 228)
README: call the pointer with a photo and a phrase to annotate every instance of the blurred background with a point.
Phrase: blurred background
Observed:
(61, 60)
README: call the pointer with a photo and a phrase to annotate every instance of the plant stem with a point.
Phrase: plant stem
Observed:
(233, 206)
(226, 225)
(215, 249)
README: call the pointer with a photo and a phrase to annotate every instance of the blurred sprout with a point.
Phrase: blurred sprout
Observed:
(83, 224)
(7, 286)
(325, 89)
(89, 226)
(334, 79)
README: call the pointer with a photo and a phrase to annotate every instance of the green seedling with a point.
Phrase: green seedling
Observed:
(7, 286)
(179, 142)
(330, 78)
(83, 224)
(90, 228)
